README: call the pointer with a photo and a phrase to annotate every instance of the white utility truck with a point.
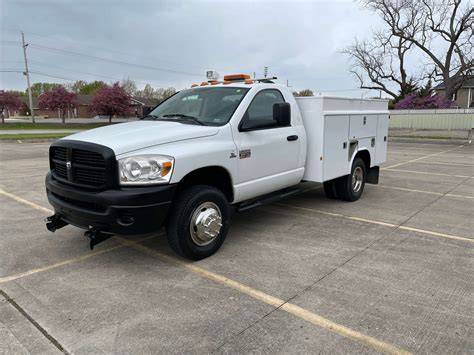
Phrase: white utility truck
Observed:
(217, 146)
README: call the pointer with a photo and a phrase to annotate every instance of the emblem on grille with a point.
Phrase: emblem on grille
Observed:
(68, 165)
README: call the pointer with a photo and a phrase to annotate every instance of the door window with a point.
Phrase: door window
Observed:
(261, 108)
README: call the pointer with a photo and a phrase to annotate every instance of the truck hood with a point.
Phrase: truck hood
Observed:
(126, 137)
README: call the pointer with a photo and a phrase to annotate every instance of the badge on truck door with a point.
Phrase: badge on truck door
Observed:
(246, 153)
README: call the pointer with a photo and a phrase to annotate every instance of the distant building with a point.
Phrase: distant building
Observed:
(138, 107)
(464, 96)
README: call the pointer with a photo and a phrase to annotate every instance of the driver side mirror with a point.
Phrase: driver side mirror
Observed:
(282, 114)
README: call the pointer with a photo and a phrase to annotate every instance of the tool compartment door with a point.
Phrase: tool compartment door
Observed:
(363, 126)
(381, 139)
(335, 158)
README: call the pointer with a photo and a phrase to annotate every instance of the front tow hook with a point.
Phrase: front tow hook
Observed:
(55, 222)
(96, 236)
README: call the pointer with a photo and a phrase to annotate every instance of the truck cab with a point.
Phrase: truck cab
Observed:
(217, 146)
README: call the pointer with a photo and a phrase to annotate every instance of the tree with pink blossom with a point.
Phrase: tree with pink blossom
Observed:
(414, 101)
(57, 99)
(9, 101)
(111, 100)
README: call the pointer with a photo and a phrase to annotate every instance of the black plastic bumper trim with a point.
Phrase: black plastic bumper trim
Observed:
(133, 210)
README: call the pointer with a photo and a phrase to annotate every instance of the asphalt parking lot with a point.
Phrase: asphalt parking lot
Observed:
(391, 273)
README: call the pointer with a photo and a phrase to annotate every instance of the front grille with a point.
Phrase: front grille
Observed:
(81, 167)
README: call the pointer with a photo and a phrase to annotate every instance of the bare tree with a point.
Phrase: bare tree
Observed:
(441, 29)
(129, 86)
(379, 64)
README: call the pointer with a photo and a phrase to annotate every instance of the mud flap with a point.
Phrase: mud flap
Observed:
(373, 175)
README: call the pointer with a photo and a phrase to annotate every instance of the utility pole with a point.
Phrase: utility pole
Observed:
(27, 74)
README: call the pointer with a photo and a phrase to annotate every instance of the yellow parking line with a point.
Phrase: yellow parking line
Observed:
(25, 202)
(422, 191)
(58, 264)
(427, 173)
(71, 260)
(424, 157)
(254, 293)
(386, 224)
(455, 195)
(408, 190)
(276, 302)
(398, 152)
(443, 163)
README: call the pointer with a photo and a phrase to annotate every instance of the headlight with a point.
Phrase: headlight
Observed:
(145, 169)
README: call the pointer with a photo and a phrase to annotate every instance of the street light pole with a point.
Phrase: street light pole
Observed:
(27, 74)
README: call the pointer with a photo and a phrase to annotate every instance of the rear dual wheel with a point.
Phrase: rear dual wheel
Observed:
(349, 187)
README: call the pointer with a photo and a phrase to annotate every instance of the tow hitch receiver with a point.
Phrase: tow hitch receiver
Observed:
(96, 236)
(54, 223)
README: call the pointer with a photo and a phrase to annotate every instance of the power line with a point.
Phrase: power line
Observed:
(11, 43)
(11, 71)
(52, 76)
(79, 72)
(128, 54)
(114, 61)
(87, 45)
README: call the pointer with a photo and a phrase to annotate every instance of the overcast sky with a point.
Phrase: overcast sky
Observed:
(173, 43)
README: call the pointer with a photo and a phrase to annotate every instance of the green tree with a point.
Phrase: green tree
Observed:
(76, 86)
(305, 92)
(147, 93)
(426, 90)
(92, 87)
(38, 88)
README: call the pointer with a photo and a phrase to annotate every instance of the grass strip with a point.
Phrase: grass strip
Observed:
(11, 137)
(26, 125)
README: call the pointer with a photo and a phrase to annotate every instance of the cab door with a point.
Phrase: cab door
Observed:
(267, 155)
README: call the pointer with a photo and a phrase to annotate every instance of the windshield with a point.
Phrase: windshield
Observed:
(212, 106)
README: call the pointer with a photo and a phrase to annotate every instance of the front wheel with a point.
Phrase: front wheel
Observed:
(198, 222)
(350, 187)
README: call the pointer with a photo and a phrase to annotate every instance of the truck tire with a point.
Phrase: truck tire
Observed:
(350, 187)
(330, 189)
(198, 222)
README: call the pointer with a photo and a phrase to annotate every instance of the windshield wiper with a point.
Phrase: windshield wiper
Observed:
(184, 117)
(150, 116)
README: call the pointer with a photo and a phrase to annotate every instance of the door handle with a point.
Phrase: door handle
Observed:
(292, 138)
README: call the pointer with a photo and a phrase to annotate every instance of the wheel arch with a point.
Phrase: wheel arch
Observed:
(364, 154)
(216, 176)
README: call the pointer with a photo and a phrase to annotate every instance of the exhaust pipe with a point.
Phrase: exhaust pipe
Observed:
(55, 222)
(96, 236)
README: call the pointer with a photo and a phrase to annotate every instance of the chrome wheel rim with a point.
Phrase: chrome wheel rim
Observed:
(206, 223)
(357, 179)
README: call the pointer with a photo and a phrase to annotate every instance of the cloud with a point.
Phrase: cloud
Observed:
(300, 41)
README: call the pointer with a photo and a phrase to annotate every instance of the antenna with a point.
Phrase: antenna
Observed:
(265, 71)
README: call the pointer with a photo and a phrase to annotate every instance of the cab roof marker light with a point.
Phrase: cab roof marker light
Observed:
(236, 77)
(227, 82)
(194, 85)
(214, 82)
(204, 83)
(248, 82)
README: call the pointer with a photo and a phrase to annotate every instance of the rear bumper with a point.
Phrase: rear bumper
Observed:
(125, 211)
